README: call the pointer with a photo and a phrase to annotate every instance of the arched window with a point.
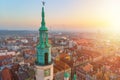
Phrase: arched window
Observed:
(46, 58)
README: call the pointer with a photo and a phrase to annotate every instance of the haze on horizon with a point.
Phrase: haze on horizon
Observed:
(60, 14)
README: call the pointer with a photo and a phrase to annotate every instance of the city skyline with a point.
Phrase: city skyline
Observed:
(69, 43)
(68, 14)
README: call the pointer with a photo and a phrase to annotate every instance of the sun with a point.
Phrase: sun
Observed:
(113, 10)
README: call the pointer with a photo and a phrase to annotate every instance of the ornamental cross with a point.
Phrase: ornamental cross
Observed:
(43, 2)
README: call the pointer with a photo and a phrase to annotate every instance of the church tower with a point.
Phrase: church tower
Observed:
(44, 65)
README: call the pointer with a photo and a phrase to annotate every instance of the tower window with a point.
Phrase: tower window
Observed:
(46, 58)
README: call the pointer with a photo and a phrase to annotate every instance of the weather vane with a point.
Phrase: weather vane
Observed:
(43, 2)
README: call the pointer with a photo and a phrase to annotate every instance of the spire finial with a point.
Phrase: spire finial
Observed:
(43, 2)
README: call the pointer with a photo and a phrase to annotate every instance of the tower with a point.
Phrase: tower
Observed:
(44, 65)
(75, 77)
(66, 76)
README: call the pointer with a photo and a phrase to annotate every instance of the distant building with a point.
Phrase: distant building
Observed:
(3, 50)
(6, 74)
(61, 70)
(13, 53)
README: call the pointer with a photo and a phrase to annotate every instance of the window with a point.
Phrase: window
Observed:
(46, 58)
(47, 72)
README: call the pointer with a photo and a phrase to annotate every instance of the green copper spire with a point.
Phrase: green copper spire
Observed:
(43, 48)
(75, 77)
(43, 26)
(43, 31)
(66, 75)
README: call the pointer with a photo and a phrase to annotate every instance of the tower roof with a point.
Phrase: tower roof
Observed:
(66, 75)
(75, 77)
(43, 47)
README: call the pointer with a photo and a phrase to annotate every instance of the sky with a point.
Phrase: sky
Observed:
(60, 14)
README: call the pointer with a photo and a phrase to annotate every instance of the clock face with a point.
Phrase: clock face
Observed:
(47, 72)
